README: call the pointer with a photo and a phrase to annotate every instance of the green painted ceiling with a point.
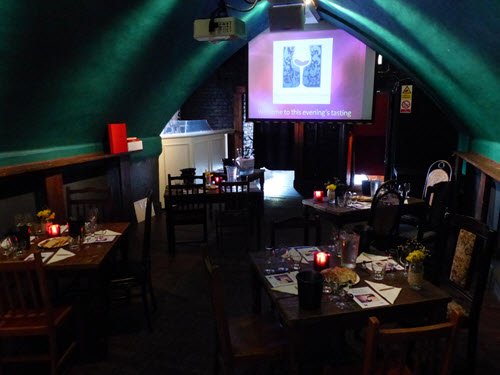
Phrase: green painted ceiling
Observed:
(68, 68)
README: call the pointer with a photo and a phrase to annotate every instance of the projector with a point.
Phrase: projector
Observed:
(225, 28)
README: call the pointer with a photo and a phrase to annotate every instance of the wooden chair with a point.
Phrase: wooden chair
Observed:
(236, 210)
(26, 311)
(80, 201)
(469, 249)
(128, 275)
(439, 171)
(383, 224)
(426, 228)
(426, 350)
(294, 223)
(248, 339)
(185, 204)
(418, 350)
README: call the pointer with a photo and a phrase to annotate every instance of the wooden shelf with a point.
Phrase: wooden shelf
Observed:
(55, 163)
(487, 166)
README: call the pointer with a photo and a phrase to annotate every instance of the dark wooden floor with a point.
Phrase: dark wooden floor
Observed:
(183, 338)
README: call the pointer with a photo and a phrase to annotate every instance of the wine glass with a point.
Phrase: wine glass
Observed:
(301, 58)
(406, 189)
(269, 266)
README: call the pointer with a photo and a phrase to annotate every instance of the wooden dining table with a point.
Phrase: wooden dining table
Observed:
(359, 211)
(429, 303)
(213, 197)
(82, 280)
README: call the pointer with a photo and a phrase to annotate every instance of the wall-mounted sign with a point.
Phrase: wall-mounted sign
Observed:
(406, 96)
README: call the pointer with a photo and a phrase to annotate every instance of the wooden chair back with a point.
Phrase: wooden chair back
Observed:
(237, 194)
(439, 171)
(419, 350)
(469, 248)
(302, 223)
(386, 186)
(26, 311)
(185, 203)
(146, 241)
(218, 310)
(80, 201)
(438, 201)
(385, 215)
(24, 292)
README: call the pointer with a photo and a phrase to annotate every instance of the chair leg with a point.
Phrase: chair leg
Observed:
(471, 349)
(152, 295)
(144, 295)
(171, 239)
(53, 353)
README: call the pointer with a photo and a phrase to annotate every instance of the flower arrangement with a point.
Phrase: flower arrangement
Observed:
(414, 250)
(417, 256)
(332, 185)
(46, 215)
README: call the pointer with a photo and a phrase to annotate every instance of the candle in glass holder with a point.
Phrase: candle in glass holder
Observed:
(54, 230)
(318, 195)
(321, 261)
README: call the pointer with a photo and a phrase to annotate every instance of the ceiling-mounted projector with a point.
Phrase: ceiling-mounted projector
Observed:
(217, 29)
(285, 15)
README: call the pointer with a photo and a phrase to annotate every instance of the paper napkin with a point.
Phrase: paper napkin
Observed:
(64, 228)
(98, 238)
(390, 293)
(45, 255)
(107, 232)
(292, 252)
(290, 289)
(60, 255)
(365, 257)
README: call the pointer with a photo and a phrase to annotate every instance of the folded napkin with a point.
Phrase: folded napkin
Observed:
(32, 239)
(64, 228)
(365, 257)
(98, 238)
(290, 254)
(390, 293)
(45, 255)
(60, 255)
(391, 264)
(107, 232)
(290, 289)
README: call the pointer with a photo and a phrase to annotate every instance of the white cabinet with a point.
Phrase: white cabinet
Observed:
(201, 150)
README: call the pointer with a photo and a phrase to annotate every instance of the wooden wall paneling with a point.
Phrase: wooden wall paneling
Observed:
(54, 188)
(236, 141)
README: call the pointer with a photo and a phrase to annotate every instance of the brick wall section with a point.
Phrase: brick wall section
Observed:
(213, 100)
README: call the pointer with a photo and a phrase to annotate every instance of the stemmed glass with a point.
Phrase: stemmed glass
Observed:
(269, 266)
(340, 294)
(7, 245)
(91, 223)
(406, 189)
(301, 58)
(404, 263)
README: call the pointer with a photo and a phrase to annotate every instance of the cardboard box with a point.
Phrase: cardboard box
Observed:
(134, 145)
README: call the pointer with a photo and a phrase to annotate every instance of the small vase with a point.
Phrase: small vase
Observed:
(330, 196)
(45, 226)
(416, 275)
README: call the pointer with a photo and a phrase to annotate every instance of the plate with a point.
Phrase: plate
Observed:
(53, 243)
(362, 198)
